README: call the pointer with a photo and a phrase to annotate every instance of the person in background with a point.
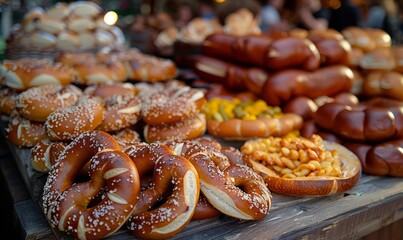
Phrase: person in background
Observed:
(383, 14)
(345, 15)
(271, 17)
(206, 9)
(184, 14)
(311, 15)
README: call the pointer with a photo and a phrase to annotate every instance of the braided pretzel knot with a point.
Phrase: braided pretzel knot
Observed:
(96, 208)
(222, 187)
(168, 169)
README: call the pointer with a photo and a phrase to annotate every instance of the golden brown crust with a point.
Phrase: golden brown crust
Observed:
(114, 185)
(173, 104)
(44, 155)
(184, 130)
(38, 102)
(173, 175)
(65, 124)
(143, 67)
(120, 112)
(8, 99)
(238, 129)
(251, 203)
(23, 132)
(25, 73)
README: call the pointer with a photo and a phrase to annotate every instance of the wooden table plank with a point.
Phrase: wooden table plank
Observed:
(33, 224)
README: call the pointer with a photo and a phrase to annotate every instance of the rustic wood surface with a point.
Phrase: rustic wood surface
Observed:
(372, 204)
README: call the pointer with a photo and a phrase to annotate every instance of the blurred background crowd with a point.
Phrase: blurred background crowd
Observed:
(143, 20)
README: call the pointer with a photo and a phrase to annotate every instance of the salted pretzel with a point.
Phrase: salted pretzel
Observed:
(120, 112)
(167, 169)
(67, 123)
(107, 90)
(143, 67)
(91, 70)
(26, 73)
(222, 187)
(96, 208)
(173, 104)
(45, 153)
(8, 99)
(126, 137)
(188, 129)
(23, 132)
(38, 103)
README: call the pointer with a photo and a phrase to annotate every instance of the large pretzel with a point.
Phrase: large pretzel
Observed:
(96, 208)
(222, 188)
(168, 169)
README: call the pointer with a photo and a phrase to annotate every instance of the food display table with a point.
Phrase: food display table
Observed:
(374, 203)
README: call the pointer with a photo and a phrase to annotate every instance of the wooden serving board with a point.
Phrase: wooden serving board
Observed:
(373, 203)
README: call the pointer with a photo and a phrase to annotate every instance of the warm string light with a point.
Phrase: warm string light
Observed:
(111, 18)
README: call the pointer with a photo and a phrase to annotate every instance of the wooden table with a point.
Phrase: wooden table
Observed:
(375, 202)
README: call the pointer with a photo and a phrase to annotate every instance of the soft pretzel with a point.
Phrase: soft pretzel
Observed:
(107, 90)
(187, 129)
(8, 99)
(120, 112)
(96, 208)
(45, 153)
(91, 70)
(375, 121)
(175, 104)
(170, 171)
(67, 123)
(221, 187)
(205, 210)
(38, 103)
(25, 73)
(143, 67)
(23, 132)
(126, 137)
